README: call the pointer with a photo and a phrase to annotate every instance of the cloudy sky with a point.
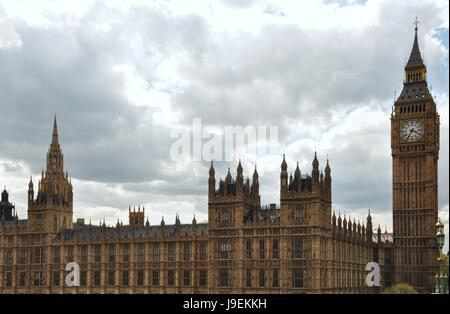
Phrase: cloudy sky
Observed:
(121, 75)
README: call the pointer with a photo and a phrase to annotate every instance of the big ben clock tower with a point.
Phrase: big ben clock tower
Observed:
(415, 153)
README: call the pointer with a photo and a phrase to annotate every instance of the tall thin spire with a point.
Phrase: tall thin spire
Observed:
(415, 58)
(55, 132)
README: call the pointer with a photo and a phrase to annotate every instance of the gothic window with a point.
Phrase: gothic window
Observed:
(39, 222)
(225, 216)
(299, 247)
(155, 278)
(125, 278)
(8, 279)
(224, 277)
(275, 248)
(186, 278)
(55, 278)
(155, 252)
(55, 255)
(171, 251)
(84, 253)
(299, 216)
(248, 277)
(111, 278)
(203, 251)
(298, 278)
(275, 278)
(97, 278)
(262, 278)
(9, 257)
(98, 253)
(126, 253)
(69, 256)
(65, 222)
(83, 278)
(262, 249)
(141, 252)
(22, 279)
(187, 251)
(38, 279)
(203, 278)
(112, 253)
(170, 277)
(225, 249)
(38, 255)
(249, 248)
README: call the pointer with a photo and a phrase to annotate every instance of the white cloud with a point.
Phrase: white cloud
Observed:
(121, 73)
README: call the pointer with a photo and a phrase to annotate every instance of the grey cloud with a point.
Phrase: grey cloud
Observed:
(283, 76)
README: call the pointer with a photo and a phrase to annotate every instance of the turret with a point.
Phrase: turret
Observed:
(228, 181)
(298, 177)
(6, 207)
(239, 179)
(211, 181)
(194, 225)
(315, 173)
(177, 224)
(255, 183)
(327, 181)
(30, 192)
(54, 195)
(379, 234)
(369, 231)
(283, 177)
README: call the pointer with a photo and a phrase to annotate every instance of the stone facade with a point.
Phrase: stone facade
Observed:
(300, 246)
(415, 153)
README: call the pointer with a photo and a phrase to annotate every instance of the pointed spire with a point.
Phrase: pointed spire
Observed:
(55, 132)
(315, 162)
(211, 170)
(239, 168)
(297, 171)
(415, 59)
(255, 174)
(228, 178)
(327, 169)
(283, 163)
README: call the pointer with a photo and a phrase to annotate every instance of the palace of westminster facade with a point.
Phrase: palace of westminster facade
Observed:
(299, 246)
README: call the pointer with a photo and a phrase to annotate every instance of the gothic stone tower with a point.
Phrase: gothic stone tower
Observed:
(52, 210)
(231, 208)
(305, 202)
(415, 152)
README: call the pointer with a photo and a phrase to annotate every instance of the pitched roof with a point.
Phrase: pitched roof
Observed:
(415, 59)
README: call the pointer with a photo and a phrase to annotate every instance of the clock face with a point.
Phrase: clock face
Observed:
(412, 130)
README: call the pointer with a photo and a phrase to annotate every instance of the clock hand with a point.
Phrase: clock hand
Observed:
(410, 132)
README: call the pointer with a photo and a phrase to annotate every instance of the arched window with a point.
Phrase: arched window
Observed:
(55, 223)
(64, 222)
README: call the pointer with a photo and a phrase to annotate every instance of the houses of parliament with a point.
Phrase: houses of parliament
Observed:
(298, 246)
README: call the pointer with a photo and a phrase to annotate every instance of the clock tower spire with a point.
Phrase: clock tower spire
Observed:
(415, 153)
